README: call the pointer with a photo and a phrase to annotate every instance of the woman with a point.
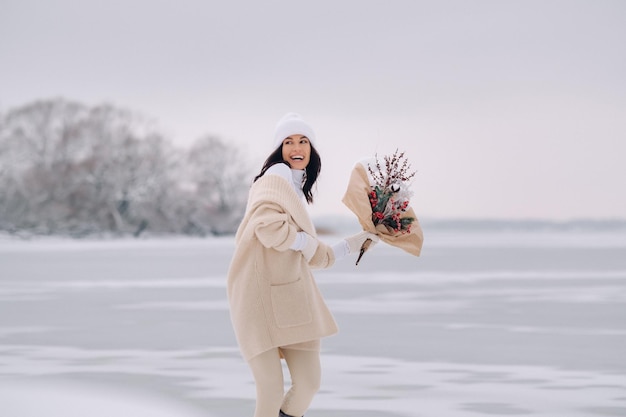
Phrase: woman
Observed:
(276, 308)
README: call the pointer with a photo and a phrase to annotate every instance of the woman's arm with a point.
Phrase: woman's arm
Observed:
(273, 228)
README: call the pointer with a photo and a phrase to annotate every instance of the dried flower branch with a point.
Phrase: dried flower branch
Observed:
(397, 170)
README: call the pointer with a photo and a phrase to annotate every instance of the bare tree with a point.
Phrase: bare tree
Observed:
(220, 177)
(37, 144)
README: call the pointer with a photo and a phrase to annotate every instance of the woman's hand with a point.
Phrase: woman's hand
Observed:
(356, 241)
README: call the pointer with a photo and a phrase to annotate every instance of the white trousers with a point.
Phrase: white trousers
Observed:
(305, 370)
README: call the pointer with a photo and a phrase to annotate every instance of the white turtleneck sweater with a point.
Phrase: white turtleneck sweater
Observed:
(296, 178)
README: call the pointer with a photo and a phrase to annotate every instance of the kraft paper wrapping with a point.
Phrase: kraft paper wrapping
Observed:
(357, 200)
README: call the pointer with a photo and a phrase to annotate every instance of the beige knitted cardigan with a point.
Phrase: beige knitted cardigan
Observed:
(274, 300)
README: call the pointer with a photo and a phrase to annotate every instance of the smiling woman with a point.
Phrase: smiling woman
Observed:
(294, 142)
(276, 307)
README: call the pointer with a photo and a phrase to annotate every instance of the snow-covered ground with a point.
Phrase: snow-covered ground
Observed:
(488, 324)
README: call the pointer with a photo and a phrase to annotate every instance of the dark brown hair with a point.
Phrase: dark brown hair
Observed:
(313, 169)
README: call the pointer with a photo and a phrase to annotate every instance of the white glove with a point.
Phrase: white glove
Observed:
(306, 244)
(356, 241)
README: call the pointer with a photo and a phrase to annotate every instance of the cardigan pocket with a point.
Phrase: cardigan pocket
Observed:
(290, 303)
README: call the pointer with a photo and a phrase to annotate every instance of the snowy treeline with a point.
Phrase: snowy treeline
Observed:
(69, 168)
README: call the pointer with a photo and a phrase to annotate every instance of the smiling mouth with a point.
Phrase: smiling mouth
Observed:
(298, 158)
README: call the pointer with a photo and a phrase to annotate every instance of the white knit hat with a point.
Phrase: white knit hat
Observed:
(292, 124)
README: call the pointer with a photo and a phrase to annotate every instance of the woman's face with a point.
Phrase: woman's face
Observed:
(297, 151)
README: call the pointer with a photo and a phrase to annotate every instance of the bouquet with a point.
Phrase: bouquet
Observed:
(379, 194)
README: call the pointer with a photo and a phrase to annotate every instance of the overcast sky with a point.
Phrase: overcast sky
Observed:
(507, 109)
